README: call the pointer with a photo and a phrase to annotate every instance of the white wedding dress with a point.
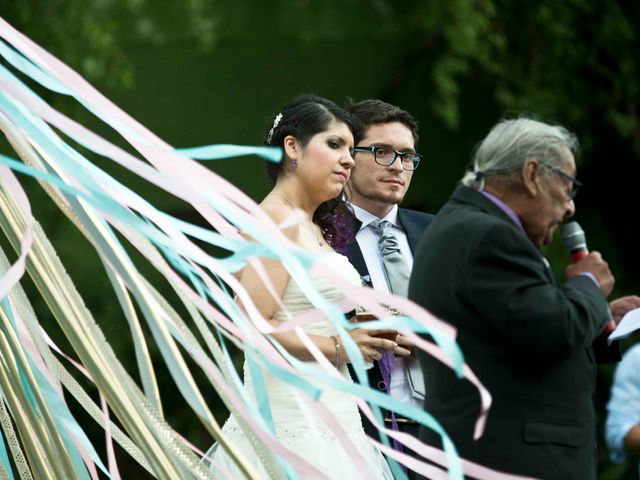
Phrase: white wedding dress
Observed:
(295, 427)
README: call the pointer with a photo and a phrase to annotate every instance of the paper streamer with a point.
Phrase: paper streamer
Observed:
(109, 213)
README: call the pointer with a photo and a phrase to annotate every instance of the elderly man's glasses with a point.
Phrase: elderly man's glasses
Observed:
(385, 156)
(575, 184)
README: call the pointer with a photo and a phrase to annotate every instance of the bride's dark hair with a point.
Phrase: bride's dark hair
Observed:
(302, 118)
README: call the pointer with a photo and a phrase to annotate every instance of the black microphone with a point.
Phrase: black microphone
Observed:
(575, 241)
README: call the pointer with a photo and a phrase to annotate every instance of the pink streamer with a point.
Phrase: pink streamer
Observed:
(185, 178)
(13, 275)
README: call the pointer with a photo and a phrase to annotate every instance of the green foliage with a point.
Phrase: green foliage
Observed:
(93, 36)
(559, 59)
(84, 33)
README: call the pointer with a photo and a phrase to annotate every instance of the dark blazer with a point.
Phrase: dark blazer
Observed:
(527, 339)
(414, 224)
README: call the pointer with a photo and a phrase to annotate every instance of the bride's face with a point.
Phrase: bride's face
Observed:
(325, 161)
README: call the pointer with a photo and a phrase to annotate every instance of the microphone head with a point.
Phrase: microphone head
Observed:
(573, 237)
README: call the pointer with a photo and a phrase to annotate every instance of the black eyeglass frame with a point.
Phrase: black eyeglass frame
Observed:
(575, 183)
(416, 158)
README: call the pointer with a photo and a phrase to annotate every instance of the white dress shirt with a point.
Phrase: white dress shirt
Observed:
(367, 240)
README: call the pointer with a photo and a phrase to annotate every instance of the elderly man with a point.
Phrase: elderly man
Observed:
(478, 266)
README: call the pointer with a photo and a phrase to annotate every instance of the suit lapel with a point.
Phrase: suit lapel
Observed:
(411, 229)
(354, 254)
(357, 259)
(547, 270)
(466, 195)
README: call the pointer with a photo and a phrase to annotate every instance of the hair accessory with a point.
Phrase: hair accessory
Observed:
(276, 121)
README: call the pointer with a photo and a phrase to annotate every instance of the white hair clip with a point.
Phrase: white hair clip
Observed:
(276, 121)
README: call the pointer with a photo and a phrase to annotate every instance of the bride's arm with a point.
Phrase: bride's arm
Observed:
(268, 306)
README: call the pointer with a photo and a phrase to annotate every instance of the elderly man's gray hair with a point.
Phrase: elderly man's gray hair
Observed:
(511, 143)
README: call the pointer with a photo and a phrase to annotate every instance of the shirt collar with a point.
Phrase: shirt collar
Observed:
(505, 208)
(367, 218)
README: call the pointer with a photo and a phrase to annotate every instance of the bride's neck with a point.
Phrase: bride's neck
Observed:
(294, 196)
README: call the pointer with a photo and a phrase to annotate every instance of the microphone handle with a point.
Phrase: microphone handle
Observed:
(609, 327)
(578, 255)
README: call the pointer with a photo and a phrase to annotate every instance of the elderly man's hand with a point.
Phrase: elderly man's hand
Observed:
(621, 306)
(596, 266)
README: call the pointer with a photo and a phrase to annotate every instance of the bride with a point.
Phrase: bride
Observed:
(315, 135)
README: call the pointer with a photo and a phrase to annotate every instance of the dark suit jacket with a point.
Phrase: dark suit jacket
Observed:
(527, 339)
(414, 224)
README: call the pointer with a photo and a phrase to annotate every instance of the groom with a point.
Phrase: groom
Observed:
(385, 159)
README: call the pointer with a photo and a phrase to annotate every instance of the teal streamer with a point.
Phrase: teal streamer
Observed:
(207, 152)
(19, 166)
(259, 384)
(403, 322)
(8, 310)
(216, 152)
(27, 67)
(67, 426)
(182, 385)
(60, 414)
(297, 264)
(105, 206)
(4, 456)
(64, 155)
(385, 401)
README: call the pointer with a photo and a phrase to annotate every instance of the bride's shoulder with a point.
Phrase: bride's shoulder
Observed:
(282, 216)
(275, 210)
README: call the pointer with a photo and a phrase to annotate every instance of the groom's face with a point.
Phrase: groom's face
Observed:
(377, 188)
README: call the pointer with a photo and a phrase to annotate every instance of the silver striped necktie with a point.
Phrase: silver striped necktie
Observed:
(394, 263)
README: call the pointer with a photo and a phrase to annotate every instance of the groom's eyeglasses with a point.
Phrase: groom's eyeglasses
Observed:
(385, 156)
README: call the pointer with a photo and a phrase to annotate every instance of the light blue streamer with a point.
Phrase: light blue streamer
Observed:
(73, 161)
(184, 387)
(51, 141)
(292, 379)
(6, 307)
(6, 464)
(216, 152)
(24, 65)
(291, 261)
(105, 203)
(385, 401)
(60, 414)
(66, 426)
(258, 381)
(27, 67)
(403, 322)
(46, 137)
(208, 152)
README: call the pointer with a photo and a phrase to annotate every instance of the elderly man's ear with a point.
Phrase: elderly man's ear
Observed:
(531, 176)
